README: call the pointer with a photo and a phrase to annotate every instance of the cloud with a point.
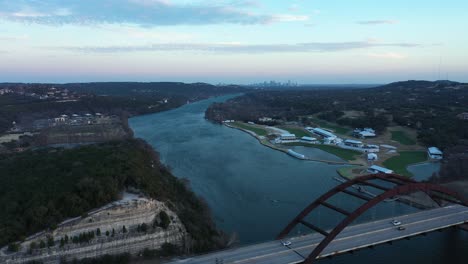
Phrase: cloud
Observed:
(13, 37)
(141, 12)
(287, 18)
(377, 22)
(242, 48)
(388, 55)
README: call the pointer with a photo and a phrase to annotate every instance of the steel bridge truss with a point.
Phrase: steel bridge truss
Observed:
(401, 186)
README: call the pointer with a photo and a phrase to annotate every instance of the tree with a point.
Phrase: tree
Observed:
(148, 253)
(32, 246)
(144, 227)
(42, 244)
(165, 220)
(107, 233)
(98, 232)
(66, 239)
(113, 232)
(62, 242)
(50, 241)
(124, 229)
(13, 247)
(168, 249)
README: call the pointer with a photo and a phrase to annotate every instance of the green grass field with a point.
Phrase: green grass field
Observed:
(399, 163)
(345, 154)
(402, 138)
(256, 130)
(347, 172)
(338, 129)
(299, 132)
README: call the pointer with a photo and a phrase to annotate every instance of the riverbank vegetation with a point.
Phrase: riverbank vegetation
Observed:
(400, 163)
(39, 189)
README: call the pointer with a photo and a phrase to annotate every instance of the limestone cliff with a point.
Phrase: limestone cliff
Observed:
(127, 226)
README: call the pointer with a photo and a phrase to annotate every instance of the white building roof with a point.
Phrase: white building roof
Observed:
(324, 132)
(288, 135)
(380, 169)
(309, 138)
(353, 141)
(434, 151)
(367, 133)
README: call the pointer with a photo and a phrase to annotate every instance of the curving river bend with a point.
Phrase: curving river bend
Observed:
(254, 191)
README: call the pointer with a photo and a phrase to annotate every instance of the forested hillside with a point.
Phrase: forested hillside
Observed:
(188, 91)
(39, 189)
(23, 105)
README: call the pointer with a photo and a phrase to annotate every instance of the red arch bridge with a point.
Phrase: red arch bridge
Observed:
(451, 210)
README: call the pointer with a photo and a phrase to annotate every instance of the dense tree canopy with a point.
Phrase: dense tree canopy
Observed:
(39, 189)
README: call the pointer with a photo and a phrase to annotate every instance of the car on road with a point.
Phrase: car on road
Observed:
(401, 228)
(286, 243)
(396, 222)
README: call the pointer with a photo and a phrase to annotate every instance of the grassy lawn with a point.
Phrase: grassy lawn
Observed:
(257, 130)
(345, 154)
(347, 172)
(403, 138)
(338, 129)
(399, 163)
(299, 132)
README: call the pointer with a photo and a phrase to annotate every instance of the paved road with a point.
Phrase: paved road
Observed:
(353, 237)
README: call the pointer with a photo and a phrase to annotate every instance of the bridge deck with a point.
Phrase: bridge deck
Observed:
(353, 237)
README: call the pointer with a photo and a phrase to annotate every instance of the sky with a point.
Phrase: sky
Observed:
(233, 41)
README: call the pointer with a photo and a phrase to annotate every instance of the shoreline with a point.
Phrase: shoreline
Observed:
(340, 172)
(331, 162)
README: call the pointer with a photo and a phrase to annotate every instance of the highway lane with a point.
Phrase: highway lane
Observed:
(352, 237)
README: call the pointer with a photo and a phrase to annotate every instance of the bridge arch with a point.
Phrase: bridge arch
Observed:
(403, 185)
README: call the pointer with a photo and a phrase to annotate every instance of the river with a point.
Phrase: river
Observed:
(254, 191)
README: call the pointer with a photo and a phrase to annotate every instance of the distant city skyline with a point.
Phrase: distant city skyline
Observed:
(233, 41)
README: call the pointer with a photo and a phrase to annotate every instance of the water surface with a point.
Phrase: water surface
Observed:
(255, 191)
